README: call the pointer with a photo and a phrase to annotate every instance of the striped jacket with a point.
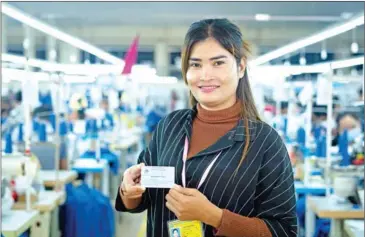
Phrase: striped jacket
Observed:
(263, 186)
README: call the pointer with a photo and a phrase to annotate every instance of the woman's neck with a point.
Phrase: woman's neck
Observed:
(232, 113)
(221, 106)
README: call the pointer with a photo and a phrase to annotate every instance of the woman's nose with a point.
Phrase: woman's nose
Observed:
(206, 73)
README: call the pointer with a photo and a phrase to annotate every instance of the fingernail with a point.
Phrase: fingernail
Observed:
(176, 186)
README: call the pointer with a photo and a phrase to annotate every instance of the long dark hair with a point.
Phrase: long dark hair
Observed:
(230, 37)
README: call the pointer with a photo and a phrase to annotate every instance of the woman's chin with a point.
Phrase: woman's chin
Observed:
(209, 103)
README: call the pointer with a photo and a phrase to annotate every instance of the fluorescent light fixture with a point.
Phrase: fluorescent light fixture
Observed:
(73, 59)
(10, 74)
(354, 47)
(19, 75)
(314, 68)
(347, 62)
(325, 67)
(315, 38)
(53, 54)
(346, 15)
(262, 17)
(52, 31)
(26, 43)
(302, 60)
(323, 54)
(78, 79)
(78, 69)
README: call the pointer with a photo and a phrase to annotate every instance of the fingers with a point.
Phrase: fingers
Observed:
(184, 191)
(172, 208)
(130, 185)
(133, 174)
(136, 169)
(131, 192)
(134, 189)
(172, 200)
(134, 196)
(176, 195)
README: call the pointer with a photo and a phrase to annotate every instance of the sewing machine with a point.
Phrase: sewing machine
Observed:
(25, 172)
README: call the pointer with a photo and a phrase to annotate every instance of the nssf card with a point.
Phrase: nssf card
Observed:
(157, 176)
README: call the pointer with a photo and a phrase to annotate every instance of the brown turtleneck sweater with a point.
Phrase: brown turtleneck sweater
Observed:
(208, 127)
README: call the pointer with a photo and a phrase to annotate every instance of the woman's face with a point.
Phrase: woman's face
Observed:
(213, 75)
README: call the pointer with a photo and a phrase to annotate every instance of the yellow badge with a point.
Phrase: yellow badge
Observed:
(185, 228)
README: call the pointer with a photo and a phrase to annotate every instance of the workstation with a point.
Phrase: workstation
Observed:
(78, 115)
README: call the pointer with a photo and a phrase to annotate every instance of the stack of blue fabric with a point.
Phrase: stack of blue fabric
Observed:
(86, 212)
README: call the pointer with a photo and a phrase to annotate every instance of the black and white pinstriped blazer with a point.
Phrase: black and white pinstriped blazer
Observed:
(263, 186)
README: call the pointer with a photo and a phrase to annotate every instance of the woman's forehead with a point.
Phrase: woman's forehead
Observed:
(208, 49)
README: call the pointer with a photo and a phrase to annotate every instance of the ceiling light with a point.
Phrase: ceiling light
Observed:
(52, 54)
(346, 15)
(26, 43)
(262, 17)
(52, 31)
(315, 38)
(323, 54)
(302, 60)
(313, 68)
(78, 69)
(73, 58)
(354, 47)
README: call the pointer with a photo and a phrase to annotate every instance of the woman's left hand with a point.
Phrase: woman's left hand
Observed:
(190, 204)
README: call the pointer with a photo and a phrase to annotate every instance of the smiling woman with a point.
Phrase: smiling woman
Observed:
(232, 171)
(207, 73)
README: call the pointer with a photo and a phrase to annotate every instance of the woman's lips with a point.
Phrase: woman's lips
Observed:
(208, 89)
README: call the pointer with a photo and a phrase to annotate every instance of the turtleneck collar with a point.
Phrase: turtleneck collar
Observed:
(218, 116)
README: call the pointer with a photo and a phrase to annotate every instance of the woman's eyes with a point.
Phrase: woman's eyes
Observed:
(194, 65)
(216, 63)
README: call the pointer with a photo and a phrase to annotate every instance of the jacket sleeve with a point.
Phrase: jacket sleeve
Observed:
(147, 156)
(275, 200)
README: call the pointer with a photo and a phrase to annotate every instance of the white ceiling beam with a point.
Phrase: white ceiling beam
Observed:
(312, 39)
(58, 34)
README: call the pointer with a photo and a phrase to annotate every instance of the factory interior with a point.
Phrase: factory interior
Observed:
(86, 85)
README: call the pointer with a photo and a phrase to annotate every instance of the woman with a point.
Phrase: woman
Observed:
(351, 123)
(249, 188)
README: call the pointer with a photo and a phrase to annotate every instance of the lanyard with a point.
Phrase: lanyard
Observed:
(206, 172)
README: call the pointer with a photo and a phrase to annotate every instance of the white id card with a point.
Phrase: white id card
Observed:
(157, 177)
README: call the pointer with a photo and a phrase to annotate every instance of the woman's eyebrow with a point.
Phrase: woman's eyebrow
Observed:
(211, 59)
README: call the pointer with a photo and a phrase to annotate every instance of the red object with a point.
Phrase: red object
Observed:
(270, 108)
(27, 152)
(14, 195)
(358, 162)
(131, 57)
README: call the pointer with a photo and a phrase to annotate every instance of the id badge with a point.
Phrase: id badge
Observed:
(185, 228)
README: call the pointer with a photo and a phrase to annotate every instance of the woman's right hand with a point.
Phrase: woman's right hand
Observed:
(131, 186)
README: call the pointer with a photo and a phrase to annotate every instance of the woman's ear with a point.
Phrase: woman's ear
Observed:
(241, 68)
